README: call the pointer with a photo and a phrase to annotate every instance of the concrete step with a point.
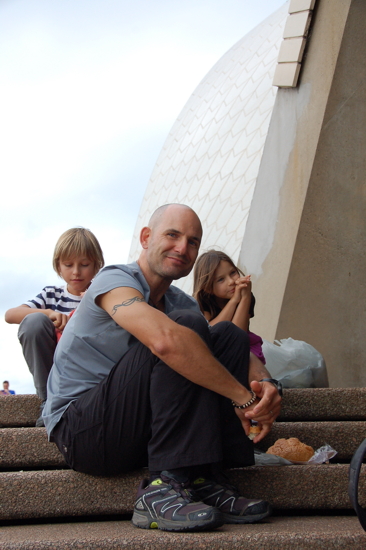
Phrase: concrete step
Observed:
(19, 410)
(298, 404)
(277, 533)
(65, 493)
(29, 447)
(324, 404)
(345, 437)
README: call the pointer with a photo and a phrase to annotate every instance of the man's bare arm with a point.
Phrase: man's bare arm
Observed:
(126, 303)
(179, 347)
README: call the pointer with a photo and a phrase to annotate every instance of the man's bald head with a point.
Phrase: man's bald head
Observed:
(158, 215)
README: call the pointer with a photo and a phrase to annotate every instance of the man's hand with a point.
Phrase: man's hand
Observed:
(266, 410)
(59, 319)
(245, 422)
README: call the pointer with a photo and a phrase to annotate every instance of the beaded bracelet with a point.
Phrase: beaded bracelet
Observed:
(250, 402)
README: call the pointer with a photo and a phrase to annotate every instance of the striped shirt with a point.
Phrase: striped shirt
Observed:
(55, 298)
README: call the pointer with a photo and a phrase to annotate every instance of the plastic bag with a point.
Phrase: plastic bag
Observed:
(263, 459)
(321, 455)
(296, 364)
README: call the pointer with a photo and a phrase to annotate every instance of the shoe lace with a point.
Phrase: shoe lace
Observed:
(182, 488)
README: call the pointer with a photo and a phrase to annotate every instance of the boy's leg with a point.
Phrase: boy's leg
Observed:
(38, 339)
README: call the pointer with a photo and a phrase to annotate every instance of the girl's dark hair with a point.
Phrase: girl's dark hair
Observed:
(203, 279)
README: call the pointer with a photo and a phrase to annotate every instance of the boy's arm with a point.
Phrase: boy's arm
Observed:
(16, 315)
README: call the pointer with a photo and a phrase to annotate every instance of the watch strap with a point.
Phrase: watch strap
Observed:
(275, 382)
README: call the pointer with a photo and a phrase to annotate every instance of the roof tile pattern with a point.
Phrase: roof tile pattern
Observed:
(211, 157)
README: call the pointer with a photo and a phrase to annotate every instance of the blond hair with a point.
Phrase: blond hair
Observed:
(78, 241)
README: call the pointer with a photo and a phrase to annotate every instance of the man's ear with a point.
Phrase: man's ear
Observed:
(145, 236)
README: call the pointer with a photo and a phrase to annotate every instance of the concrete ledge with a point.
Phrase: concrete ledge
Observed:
(344, 437)
(61, 493)
(30, 448)
(298, 404)
(324, 404)
(19, 410)
(278, 533)
(58, 493)
(304, 487)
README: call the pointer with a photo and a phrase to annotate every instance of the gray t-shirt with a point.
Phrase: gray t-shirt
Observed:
(92, 342)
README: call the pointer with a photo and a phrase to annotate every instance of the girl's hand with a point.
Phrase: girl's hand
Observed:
(242, 285)
(245, 285)
(237, 295)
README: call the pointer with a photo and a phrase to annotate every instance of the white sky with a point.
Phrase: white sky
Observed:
(89, 92)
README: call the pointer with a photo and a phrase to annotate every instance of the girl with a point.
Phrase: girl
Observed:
(77, 259)
(224, 294)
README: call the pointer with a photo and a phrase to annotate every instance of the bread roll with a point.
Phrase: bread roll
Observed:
(292, 449)
(254, 431)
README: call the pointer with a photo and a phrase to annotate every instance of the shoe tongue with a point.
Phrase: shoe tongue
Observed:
(179, 483)
(170, 476)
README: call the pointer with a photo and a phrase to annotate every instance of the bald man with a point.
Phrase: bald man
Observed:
(139, 378)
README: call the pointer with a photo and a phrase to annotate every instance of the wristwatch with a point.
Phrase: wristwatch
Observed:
(275, 383)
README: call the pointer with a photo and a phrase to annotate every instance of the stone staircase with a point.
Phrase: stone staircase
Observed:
(45, 505)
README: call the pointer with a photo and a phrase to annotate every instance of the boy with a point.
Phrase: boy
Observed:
(77, 259)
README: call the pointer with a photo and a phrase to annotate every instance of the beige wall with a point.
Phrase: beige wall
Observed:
(305, 236)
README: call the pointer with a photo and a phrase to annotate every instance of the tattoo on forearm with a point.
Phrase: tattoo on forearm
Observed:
(127, 303)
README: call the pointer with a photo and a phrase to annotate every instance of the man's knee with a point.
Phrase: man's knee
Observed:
(191, 319)
(34, 325)
(229, 331)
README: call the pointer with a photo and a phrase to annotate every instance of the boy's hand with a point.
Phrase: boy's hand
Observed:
(59, 319)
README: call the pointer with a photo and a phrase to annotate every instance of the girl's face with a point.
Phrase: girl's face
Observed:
(224, 281)
(77, 272)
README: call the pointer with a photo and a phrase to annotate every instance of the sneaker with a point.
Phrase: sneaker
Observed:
(167, 504)
(234, 507)
(39, 421)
